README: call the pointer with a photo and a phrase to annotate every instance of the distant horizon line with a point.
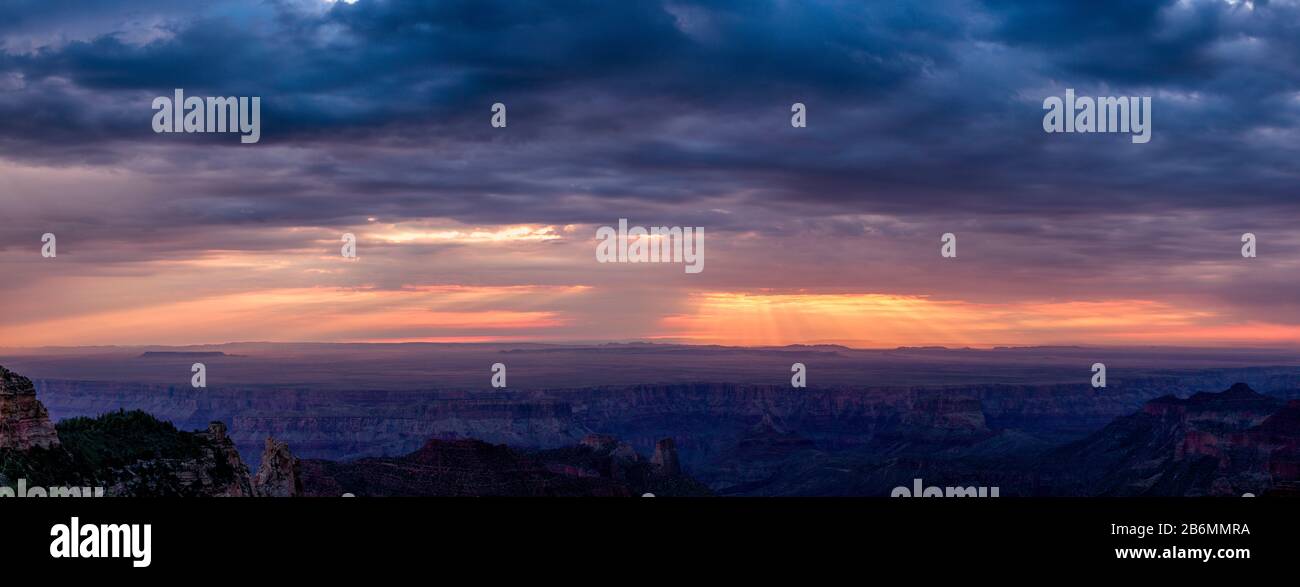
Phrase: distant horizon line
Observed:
(950, 347)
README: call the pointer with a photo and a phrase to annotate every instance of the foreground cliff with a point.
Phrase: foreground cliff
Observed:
(133, 454)
(127, 453)
(24, 423)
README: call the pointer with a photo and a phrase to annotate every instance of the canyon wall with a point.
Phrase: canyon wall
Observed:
(24, 422)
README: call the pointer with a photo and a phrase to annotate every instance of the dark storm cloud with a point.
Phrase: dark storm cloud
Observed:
(1128, 40)
(415, 64)
(47, 16)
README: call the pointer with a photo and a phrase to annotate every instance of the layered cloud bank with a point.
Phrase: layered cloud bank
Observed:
(922, 119)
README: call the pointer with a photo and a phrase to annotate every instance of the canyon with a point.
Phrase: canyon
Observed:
(738, 432)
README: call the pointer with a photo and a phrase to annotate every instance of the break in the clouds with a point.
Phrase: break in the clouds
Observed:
(923, 118)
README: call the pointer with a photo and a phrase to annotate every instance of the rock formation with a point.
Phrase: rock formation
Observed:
(209, 467)
(24, 423)
(220, 472)
(665, 458)
(1227, 443)
(1279, 437)
(279, 474)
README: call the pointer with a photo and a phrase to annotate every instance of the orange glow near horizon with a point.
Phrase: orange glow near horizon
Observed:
(878, 320)
(527, 313)
(444, 314)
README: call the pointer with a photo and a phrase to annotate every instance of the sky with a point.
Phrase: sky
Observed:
(923, 118)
